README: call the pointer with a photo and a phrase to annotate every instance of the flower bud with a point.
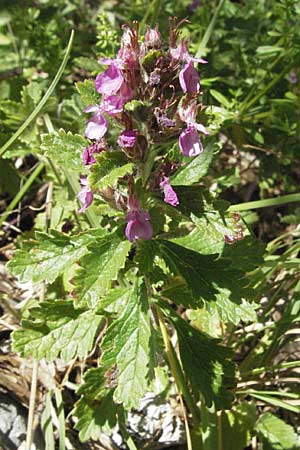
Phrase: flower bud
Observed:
(153, 38)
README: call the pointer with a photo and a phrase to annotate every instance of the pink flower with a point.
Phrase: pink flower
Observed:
(138, 222)
(127, 138)
(181, 53)
(188, 115)
(97, 126)
(87, 156)
(85, 196)
(169, 193)
(114, 104)
(189, 142)
(189, 79)
(110, 81)
(153, 37)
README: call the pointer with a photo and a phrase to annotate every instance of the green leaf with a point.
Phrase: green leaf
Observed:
(205, 275)
(50, 255)
(208, 236)
(275, 434)
(57, 329)
(99, 268)
(65, 149)
(87, 92)
(231, 312)
(206, 363)
(95, 417)
(220, 98)
(196, 168)
(128, 343)
(110, 166)
(237, 426)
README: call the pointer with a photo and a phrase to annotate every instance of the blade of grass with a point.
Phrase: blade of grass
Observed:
(266, 203)
(43, 101)
(46, 423)
(209, 31)
(61, 418)
(22, 192)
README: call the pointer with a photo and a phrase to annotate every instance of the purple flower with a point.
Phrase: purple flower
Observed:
(188, 115)
(85, 196)
(128, 138)
(181, 53)
(169, 193)
(114, 104)
(189, 79)
(189, 142)
(87, 156)
(110, 81)
(194, 5)
(96, 127)
(153, 37)
(138, 222)
(293, 77)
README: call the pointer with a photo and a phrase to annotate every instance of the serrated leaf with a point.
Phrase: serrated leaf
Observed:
(232, 312)
(65, 149)
(205, 275)
(205, 362)
(99, 268)
(128, 344)
(95, 417)
(110, 166)
(57, 329)
(208, 236)
(87, 92)
(275, 433)
(196, 168)
(50, 255)
(237, 426)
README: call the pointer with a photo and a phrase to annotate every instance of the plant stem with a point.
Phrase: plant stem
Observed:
(43, 101)
(176, 369)
(209, 30)
(266, 203)
(22, 192)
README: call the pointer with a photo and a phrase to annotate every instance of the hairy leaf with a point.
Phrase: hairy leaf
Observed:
(196, 168)
(110, 166)
(65, 149)
(57, 329)
(128, 343)
(87, 92)
(50, 255)
(275, 433)
(99, 268)
(206, 363)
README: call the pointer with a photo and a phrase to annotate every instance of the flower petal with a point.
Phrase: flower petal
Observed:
(110, 81)
(189, 142)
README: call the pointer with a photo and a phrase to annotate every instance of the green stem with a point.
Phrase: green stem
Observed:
(176, 369)
(61, 418)
(43, 101)
(266, 203)
(209, 30)
(260, 370)
(269, 86)
(22, 192)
